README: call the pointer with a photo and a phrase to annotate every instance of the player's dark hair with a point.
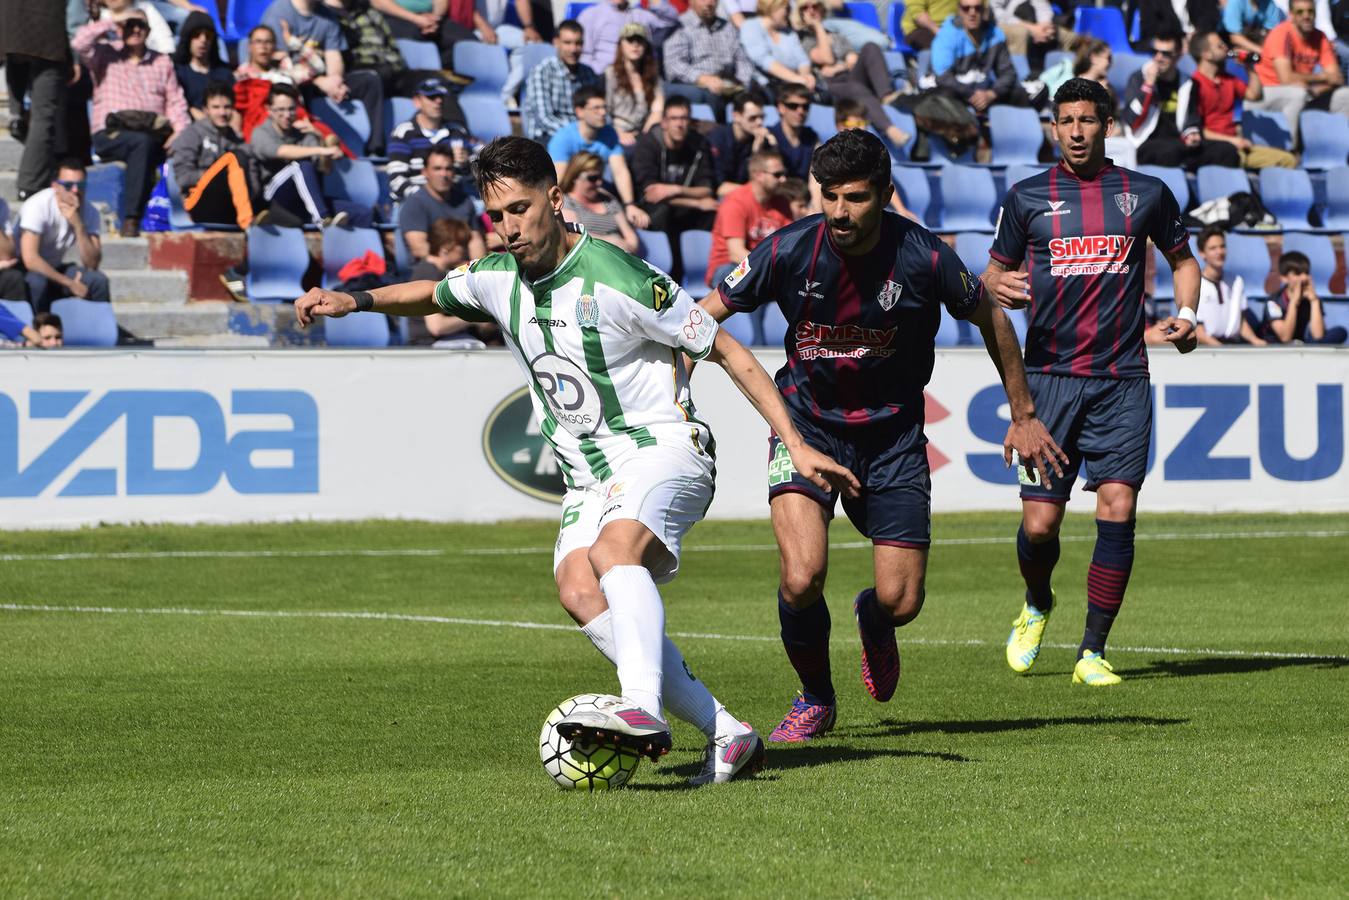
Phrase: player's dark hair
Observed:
(570, 25)
(442, 149)
(786, 92)
(1207, 232)
(1170, 37)
(1077, 90)
(517, 159)
(283, 90)
(218, 89)
(584, 95)
(851, 155)
(73, 163)
(676, 100)
(846, 108)
(1199, 44)
(746, 97)
(1294, 262)
(48, 318)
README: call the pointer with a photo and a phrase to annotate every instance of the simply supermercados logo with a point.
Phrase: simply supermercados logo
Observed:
(517, 451)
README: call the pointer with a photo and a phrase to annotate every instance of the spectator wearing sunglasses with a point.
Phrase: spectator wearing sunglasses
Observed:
(795, 139)
(735, 142)
(1159, 119)
(587, 203)
(130, 78)
(749, 214)
(970, 60)
(53, 222)
(1299, 69)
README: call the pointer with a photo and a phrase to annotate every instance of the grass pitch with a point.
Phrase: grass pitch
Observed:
(217, 735)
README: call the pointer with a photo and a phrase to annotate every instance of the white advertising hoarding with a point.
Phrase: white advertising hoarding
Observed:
(232, 436)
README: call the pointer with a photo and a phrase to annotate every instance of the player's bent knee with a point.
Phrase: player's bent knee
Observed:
(904, 602)
(801, 586)
(1041, 521)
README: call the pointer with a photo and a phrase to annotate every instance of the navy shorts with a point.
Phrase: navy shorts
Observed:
(895, 505)
(1106, 422)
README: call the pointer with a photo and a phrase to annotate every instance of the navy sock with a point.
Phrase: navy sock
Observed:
(1037, 565)
(870, 615)
(805, 636)
(1107, 579)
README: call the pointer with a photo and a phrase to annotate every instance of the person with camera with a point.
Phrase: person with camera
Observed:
(1248, 22)
(139, 107)
(1214, 93)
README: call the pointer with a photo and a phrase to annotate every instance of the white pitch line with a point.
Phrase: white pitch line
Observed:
(534, 551)
(551, 626)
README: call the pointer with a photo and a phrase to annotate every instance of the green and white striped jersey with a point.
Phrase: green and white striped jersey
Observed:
(601, 340)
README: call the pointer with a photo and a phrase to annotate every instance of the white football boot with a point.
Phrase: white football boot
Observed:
(620, 722)
(731, 756)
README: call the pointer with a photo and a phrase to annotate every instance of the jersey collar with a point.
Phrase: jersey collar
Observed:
(566, 260)
(1106, 167)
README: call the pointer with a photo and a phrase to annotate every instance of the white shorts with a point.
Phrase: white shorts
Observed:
(667, 489)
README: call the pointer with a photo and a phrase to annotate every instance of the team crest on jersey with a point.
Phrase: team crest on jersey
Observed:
(889, 295)
(587, 312)
(738, 273)
(1127, 203)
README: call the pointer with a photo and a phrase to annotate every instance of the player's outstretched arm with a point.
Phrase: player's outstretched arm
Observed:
(410, 299)
(1010, 288)
(1027, 435)
(1180, 329)
(822, 470)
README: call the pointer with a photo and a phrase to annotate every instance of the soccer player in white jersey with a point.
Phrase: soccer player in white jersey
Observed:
(601, 335)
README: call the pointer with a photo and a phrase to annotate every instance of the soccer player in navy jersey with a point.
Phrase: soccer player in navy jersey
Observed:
(1082, 227)
(862, 289)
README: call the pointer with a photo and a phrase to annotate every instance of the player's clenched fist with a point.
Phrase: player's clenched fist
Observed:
(319, 302)
(1181, 333)
(824, 471)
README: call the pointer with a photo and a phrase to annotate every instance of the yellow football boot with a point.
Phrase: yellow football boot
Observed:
(1023, 644)
(1093, 671)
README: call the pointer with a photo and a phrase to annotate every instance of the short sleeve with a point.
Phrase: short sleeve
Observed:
(751, 284)
(1273, 310)
(674, 319)
(952, 284)
(1167, 229)
(1009, 238)
(458, 294)
(30, 218)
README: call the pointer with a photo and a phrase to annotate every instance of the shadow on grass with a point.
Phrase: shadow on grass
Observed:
(896, 728)
(1228, 665)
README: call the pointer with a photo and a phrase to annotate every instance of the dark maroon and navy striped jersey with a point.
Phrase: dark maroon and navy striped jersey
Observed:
(1085, 243)
(860, 329)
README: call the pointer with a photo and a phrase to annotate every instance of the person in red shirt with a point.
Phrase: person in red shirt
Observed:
(1294, 51)
(749, 214)
(1212, 97)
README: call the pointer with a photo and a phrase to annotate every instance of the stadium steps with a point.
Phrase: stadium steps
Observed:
(158, 321)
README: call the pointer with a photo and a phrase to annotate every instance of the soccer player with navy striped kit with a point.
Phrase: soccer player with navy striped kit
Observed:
(862, 290)
(1082, 227)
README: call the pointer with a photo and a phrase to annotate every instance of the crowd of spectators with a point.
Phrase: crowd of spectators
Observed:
(615, 101)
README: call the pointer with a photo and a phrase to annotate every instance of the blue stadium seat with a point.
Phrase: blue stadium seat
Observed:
(353, 180)
(1020, 320)
(894, 19)
(1337, 198)
(574, 9)
(20, 309)
(1122, 67)
(1016, 135)
(950, 332)
(941, 153)
(419, 54)
(1336, 312)
(1248, 256)
(865, 13)
(361, 329)
(347, 120)
(1325, 139)
(972, 248)
(656, 249)
(179, 220)
(1220, 181)
(1268, 128)
(969, 198)
(533, 54)
(86, 323)
(1054, 57)
(821, 118)
(342, 245)
(242, 15)
(397, 110)
(773, 326)
(694, 247)
(402, 256)
(1022, 66)
(1287, 193)
(742, 327)
(914, 190)
(106, 183)
(1021, 171)
(904, 122)
(1175, 179)
(1165, 288)
(277, 261)
(1106, 23)
(1321, 253)
(487, 117)
(486, 64)
(703, 112)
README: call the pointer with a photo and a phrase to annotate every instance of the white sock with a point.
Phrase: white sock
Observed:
(685, 696)
(638, 620)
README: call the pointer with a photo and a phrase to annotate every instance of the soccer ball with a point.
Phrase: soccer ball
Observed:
(586, 767)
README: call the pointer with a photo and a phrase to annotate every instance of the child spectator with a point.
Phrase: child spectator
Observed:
(1223, 316)
(450, 243)
(797, 195)
(1295, 314)
(196, 63)
(584, 201)
(50, 332)
(212, 165)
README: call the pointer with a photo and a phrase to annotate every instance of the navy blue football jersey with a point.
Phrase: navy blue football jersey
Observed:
(1085, 244)
(860, 329)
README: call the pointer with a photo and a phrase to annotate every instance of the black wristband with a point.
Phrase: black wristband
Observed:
(365, 301)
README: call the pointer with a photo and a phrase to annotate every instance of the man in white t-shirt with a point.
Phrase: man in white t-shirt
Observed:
(1223, 318)
(52, 222)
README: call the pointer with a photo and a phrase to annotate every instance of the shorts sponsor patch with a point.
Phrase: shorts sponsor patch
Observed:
(780, 468)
